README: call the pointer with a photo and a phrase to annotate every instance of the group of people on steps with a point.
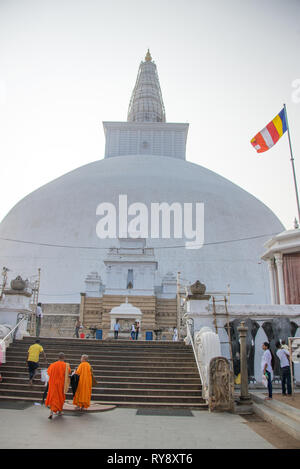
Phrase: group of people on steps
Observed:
(60, 377)
(82, 379)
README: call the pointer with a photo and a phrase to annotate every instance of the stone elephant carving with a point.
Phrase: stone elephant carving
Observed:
(253, 327)
(277, 329)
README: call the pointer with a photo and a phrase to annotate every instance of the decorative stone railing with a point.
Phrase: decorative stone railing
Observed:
(207, 346)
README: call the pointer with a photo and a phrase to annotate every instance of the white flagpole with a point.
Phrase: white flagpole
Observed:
(292, 161)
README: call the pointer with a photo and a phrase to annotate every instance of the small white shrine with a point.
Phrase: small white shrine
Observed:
(132, 267)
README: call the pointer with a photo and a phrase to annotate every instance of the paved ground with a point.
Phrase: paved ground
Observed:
(124, 429)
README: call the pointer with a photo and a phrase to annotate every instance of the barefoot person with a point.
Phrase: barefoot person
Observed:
(267, 366)
(82, 398)
(59, 381)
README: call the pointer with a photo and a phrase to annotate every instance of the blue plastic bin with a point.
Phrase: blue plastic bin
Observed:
(149, 335)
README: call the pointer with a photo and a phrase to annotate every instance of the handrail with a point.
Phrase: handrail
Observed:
(195, 355)
(13, 330)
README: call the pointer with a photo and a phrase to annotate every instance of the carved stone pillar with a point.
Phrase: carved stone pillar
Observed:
(82, 307)
(245, 400)
(272, 281)
(279, 262)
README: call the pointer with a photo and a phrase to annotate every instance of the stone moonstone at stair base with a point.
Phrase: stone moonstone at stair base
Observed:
(94, 407)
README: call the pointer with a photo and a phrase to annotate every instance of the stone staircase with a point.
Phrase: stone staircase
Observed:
(279, 414)
(129, 373)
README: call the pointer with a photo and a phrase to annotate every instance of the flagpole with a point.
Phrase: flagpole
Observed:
(292, 161)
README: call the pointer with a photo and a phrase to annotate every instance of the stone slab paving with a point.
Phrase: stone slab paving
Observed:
(122, 428)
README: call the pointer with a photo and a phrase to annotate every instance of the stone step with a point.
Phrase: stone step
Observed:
(51, 357)
(125, 378)
(109, 343)
(129, 373)
(278, 406)
(106, 343)
(113, 354)
(126, 367)
(134, 351)
(118, 372)
(108, 350)
(37, 395)
(107, 383)
(136, 404)
(276, 413)
(108, 370)
(99, 389)
(201, 405)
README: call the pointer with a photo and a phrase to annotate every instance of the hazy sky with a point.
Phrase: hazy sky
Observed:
(226, 67)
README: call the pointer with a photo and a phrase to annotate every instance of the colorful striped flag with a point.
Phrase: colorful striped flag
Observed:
(268, 136)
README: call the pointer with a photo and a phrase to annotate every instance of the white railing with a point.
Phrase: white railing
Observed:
(4, 343)
(191, 339)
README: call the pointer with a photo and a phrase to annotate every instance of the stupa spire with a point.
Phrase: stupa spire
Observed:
(148, 57)
(146, 103)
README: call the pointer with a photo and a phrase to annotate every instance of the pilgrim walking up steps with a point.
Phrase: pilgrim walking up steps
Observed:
(33, 356)
(39, 316)
(82, 398)
(59, 382)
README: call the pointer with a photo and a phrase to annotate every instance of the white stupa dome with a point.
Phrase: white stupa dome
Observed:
(63, 213)
(54, 228)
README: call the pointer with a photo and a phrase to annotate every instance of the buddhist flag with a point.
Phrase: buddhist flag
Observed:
(268, 136)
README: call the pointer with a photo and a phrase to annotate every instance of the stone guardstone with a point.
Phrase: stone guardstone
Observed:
(221, 385)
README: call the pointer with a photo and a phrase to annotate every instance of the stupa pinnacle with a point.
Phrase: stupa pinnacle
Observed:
(146, 103)
(148, 57)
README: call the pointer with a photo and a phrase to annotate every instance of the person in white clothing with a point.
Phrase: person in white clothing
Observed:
(284, 357)
(266, 366)
(132, 332)
(117, 329)
(39, 315)
(175, 334)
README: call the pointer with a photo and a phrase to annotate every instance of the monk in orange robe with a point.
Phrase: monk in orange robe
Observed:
(82, 398)
(59, 381)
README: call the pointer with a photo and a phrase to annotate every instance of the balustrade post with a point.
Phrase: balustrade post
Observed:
(244, 404)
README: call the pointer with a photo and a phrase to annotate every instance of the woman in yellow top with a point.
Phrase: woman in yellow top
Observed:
(82, 398)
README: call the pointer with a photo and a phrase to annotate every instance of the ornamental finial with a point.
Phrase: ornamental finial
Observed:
(148, 57)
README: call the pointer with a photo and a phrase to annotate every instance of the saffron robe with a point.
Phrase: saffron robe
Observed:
(58, 382)
(83, 393)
